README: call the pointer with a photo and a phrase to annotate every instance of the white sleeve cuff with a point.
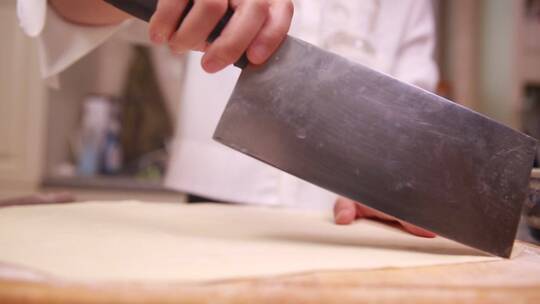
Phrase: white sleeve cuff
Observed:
(31, 15)
(60, 43)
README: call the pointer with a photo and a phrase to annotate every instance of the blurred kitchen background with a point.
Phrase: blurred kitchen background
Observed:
(104, 134)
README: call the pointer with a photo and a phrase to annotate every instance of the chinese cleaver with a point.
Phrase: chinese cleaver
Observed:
(372, 138)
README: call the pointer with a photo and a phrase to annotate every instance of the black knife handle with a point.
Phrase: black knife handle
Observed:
(144, 9)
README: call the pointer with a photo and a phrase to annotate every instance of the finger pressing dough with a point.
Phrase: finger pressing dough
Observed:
(134, 241)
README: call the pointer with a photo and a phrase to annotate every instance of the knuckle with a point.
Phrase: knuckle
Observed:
(166, 12)
(288, 7)
(183, 45)
(177, 47)
(280, 31)
(228, 54)
(261, 5)
(154, 27)
(275, 34)
(167, 5)
(272, 36)
(217, 7)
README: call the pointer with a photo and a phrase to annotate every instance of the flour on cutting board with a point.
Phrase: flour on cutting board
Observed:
(111, 241)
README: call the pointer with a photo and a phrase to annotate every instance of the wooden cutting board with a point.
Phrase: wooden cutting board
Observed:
(508, 281)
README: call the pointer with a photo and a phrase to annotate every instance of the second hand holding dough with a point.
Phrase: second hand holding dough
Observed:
(347, 211)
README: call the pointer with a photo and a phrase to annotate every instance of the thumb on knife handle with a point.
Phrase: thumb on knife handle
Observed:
(144, 9)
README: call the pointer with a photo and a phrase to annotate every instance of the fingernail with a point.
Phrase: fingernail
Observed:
(211, 65)
(260, 52)
(157, 38)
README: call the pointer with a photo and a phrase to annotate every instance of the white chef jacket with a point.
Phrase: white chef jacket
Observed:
(394, 37)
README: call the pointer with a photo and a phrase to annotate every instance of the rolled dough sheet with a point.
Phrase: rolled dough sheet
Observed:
(134, 241)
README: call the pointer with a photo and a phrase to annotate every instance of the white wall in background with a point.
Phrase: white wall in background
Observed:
(22, 106)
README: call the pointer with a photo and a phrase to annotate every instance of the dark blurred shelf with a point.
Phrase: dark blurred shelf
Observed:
(524, 234)
(124, 183)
